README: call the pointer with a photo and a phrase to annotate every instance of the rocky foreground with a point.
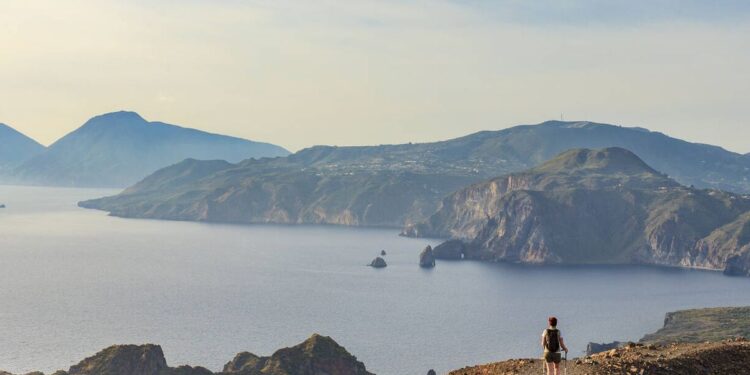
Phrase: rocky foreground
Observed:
(317, 355)
(729, 357)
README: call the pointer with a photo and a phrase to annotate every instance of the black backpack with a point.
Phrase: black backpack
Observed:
(552, 340)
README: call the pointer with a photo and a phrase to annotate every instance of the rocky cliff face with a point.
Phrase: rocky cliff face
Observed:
(594, 206)
(318, 355)
(123, 360)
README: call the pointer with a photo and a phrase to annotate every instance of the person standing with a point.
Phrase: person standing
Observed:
(552, 342)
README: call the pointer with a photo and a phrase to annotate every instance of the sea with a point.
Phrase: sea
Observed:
(74, 281)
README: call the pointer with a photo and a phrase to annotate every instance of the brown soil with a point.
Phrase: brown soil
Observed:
(731, 357)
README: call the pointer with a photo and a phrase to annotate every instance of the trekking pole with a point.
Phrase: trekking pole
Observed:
(544, 367)
(565, 366)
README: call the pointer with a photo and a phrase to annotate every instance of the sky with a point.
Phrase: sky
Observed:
(301, 73)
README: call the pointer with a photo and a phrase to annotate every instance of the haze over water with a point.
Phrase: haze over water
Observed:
(73, 281)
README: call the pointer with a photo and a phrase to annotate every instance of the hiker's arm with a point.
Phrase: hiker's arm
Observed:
(562, 344)
(542, 340)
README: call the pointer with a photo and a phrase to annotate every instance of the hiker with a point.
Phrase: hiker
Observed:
(552, 341)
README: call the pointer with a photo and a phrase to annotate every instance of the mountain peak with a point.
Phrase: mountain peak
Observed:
(606, 160)
(119, 116)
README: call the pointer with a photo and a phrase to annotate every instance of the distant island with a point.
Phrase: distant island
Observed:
(584, 206)
(397, 185)
(593, 207)
(117, 150)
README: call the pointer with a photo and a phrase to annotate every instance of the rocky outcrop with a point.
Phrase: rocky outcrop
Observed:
(318, 355)
(450, 250)
(426, 258)
(722, 358)
(123, 360)
(738, 265)
(594, 207)
(593, 348)
(378, 262)
(244, 362)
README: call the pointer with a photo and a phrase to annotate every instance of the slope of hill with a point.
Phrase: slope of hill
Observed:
(492, 153)
(356, 185)
(250, 193)
(698, 341)
(722, 358)
(15, 148)
(118, 149)
(702, 325)
(593, 207)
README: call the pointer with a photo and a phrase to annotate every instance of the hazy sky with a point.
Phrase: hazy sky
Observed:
(299, 73)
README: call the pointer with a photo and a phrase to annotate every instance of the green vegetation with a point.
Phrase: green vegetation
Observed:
(701, 325)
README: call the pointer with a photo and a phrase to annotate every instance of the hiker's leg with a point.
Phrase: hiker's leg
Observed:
(549, 368)
(557, 368)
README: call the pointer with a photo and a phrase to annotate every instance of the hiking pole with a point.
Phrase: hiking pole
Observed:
(565, 365)
(544, 366)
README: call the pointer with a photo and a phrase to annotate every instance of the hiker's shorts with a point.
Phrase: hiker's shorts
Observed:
(552, 357)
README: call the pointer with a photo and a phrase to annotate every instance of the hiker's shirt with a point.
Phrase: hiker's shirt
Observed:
(544, 337)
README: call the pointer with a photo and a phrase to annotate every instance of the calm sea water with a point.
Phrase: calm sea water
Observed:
(73, 281)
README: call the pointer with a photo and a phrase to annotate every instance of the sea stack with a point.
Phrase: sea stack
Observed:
(378, 263)
(426, 258)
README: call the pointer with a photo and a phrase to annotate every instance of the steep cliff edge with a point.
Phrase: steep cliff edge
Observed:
(595, 207)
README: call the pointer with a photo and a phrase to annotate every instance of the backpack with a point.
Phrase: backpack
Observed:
(552, 340)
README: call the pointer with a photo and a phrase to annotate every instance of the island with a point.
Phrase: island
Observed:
(604, 206)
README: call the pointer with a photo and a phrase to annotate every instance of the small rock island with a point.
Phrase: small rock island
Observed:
(378, 263)
(427, 258)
